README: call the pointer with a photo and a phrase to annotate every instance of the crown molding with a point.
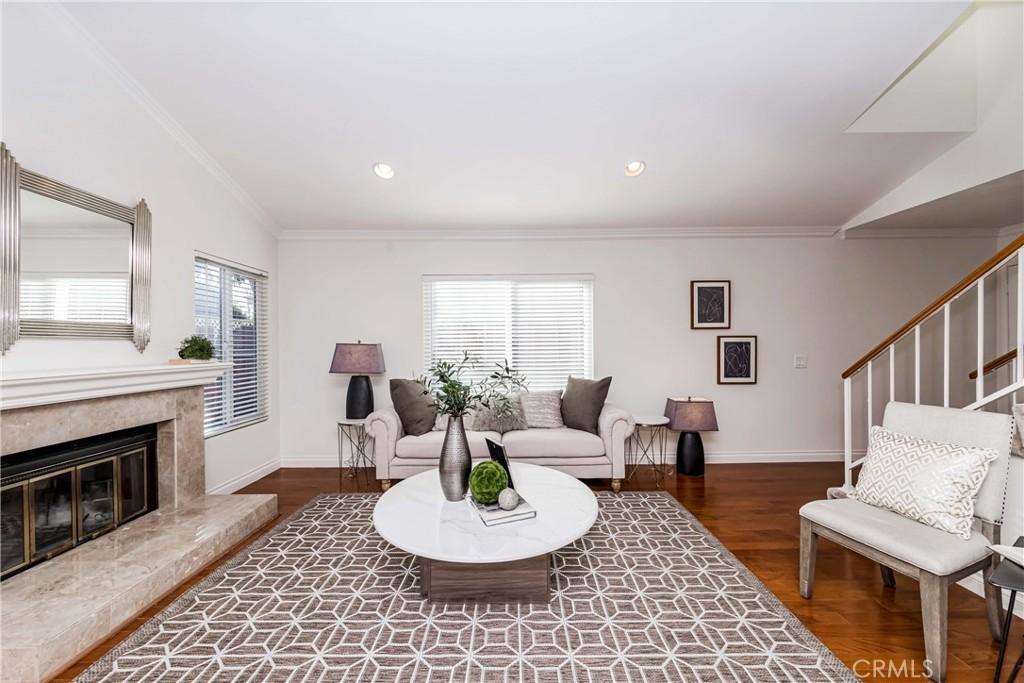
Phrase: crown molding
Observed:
(532, 233)
(918, 233)
(164, 118)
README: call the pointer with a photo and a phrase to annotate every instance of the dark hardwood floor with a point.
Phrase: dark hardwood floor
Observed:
(752, 509)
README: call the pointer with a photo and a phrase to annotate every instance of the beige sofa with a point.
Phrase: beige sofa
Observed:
(572, 451)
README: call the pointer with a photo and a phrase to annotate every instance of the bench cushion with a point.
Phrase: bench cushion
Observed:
(937, 552)
(541, 443)
(428, 446)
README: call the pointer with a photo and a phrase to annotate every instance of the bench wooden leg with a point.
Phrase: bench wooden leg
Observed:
(993, 603)
(808, 551)
(385, 484)
(616, 485)
(935, 619)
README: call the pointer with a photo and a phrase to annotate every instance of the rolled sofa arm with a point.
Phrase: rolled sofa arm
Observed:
(386, 429)
(614, 426)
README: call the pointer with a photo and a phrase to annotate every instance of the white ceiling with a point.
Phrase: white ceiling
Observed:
(522, 116)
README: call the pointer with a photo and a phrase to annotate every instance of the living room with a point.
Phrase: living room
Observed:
(763, 222)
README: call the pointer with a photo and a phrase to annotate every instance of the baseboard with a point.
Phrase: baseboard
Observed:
(311, 461)
(720, 458)
(243, 480)
(976, 585)
(744, 457)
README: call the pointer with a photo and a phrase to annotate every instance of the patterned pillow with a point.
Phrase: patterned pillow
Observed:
(494, 420)
(931, 482)
(543, 409)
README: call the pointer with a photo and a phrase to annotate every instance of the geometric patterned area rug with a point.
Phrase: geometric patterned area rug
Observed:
(647, 596)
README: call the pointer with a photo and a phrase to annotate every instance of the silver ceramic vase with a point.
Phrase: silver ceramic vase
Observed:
(455, 461)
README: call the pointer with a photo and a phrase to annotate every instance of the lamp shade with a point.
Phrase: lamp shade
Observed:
(691, 415)
(358, 359)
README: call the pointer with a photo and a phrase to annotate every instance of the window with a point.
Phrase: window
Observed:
(231, 311)
(77, 297)
(543, 324)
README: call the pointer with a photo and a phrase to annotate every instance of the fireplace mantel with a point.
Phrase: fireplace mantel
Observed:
(24, 390)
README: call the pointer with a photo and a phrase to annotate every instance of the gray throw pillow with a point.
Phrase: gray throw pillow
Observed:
(583, 401)
(490, 420)
(542, 409)
(414, 406)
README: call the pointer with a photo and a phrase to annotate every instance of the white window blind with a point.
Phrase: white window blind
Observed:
(542, 324)
(77, 297)
(231, 311)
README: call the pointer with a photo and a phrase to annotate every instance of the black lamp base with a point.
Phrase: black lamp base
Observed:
(690, 455)
(359, 401)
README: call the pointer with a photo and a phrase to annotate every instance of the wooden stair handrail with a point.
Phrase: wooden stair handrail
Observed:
(951, 294)
(995, 363)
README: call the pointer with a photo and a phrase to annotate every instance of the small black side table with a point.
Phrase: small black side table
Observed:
(1010, 576)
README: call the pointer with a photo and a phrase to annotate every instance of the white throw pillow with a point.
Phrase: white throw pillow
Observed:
(928, 481)
(543, 409)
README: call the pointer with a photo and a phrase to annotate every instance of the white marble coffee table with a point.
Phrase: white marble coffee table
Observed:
(461, 559)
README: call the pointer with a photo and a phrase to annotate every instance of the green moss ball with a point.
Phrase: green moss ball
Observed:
(486, 482)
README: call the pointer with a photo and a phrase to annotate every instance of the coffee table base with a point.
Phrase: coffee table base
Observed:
(526, 580)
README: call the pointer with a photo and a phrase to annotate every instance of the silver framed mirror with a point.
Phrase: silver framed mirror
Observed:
(74, 264)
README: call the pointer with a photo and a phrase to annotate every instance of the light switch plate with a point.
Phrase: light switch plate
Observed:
(800, 361)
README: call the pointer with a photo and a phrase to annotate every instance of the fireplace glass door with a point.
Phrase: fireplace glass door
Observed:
(134, 484)
(53, 510)
(96, 504)
(14, 519)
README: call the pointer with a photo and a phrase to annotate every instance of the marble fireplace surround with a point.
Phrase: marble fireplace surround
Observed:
(89, 592)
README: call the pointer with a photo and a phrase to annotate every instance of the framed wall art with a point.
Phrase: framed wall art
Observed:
(710, 304)
(737, 359)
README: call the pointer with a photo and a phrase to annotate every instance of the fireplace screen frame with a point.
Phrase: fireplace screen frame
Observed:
(75, 466)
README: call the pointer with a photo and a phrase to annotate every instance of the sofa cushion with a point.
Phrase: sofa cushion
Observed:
(918, 544)
(414, 406)
(428, 446)
(582, 402)
(563, 443)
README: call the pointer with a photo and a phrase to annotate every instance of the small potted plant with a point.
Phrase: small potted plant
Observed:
(455, 397)
(196, 348)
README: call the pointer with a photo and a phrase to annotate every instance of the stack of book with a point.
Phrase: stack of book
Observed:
(492, 515)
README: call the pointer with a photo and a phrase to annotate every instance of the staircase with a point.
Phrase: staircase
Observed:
(962, 350)
(997, 341)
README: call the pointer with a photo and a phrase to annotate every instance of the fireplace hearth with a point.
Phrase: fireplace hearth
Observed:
(57, 497)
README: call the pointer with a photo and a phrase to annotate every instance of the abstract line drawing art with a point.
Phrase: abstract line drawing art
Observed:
(737, 360)
(710, 304)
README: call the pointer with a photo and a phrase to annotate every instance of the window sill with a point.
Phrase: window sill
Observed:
(235, 427)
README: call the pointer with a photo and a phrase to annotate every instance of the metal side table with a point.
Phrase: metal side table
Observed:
(354, 433)
(648, 444)
(1010, 576)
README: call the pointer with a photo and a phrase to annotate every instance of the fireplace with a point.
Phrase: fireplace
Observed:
(57, 497)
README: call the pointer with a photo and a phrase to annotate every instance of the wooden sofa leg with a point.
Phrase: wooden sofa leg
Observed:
(808, 552)
(888, 576)
(616, 485)
(935, 620)
(993, 603)
(385, 484)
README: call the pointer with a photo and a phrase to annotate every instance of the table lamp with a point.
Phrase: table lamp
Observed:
(358, 360)
(690, 416)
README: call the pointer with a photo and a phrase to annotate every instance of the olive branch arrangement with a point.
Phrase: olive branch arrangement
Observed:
(456, 397)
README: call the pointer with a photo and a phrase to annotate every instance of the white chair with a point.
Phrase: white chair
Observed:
(935, 558)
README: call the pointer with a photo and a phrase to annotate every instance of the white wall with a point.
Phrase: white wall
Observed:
(66, 115)
(829, 299)
(996, 147)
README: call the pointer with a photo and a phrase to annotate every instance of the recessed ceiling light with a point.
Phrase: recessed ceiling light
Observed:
(382, 170)
(635, 168)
